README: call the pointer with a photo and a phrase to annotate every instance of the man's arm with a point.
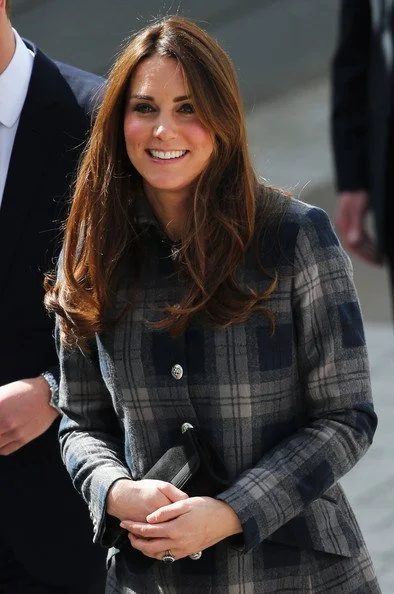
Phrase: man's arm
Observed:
(25, 412)
(26, 405)
(349, 127)
(349, 109)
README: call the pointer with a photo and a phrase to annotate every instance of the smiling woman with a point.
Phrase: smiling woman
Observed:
(165, 139)
(173, 88)
(193, 300)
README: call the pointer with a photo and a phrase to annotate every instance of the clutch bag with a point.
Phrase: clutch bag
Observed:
(192, 465)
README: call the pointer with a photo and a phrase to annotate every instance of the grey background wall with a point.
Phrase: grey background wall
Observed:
(275, 44)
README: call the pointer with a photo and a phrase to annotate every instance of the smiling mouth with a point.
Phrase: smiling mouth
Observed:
(166, 155)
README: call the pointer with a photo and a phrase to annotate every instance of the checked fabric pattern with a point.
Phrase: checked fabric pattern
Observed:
(290, 412)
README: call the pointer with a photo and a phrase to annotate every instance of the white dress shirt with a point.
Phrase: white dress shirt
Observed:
(14, 83)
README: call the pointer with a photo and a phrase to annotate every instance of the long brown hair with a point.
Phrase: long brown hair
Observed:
(221, 222)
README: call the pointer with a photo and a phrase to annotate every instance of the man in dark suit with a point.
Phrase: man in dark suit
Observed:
(363, 128)
(45, 530)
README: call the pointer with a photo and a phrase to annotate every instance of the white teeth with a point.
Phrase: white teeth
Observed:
(167, 154)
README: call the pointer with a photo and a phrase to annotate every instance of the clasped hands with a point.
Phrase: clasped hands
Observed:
(159, 517)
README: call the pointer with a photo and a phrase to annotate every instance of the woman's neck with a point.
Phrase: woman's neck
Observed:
(171, 212)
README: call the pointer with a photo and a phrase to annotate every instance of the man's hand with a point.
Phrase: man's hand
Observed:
(25, 413)
(350, 219)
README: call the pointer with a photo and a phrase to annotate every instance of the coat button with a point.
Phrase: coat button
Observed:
(186, 426)
(177, 371)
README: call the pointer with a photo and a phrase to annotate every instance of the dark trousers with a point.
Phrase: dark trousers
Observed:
(14, 579)
(45, 530)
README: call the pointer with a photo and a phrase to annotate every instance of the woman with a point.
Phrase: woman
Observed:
(190, 292)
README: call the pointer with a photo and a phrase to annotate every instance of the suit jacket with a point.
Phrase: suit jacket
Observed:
(56, 546)
(362, 104)
(289, 412)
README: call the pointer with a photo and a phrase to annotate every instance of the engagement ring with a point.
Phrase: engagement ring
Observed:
(168, 557)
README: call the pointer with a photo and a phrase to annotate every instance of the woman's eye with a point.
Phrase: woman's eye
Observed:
(143, 108)
(187, 108)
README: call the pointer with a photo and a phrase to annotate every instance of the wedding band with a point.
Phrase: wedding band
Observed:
(168, 557)
(195, 556)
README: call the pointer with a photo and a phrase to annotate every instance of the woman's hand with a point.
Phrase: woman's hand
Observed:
(184, 527)
(135, 500)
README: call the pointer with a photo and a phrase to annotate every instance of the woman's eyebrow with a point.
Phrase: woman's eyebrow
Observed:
(181, 98)
(150, 98)
(143, 97)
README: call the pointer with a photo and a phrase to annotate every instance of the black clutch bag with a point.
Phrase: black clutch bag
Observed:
(192, 465)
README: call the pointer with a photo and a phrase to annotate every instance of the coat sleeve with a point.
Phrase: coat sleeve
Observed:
(90, 438)
(335, 385)
(349, 109)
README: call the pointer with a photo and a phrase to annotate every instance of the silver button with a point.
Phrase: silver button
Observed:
(177, 371)
(185, 427)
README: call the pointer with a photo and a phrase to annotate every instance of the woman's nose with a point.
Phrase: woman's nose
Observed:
(164, 130)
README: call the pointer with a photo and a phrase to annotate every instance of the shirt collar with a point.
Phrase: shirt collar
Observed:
(14, 83)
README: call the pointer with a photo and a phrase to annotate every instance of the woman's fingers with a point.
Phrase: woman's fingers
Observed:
(143, 530)
(183, 528)
(9, 447)
(168, 512)
(173, 493)
(157, 547)
(151, 548)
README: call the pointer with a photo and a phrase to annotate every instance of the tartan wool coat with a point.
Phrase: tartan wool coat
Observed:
(290, 412)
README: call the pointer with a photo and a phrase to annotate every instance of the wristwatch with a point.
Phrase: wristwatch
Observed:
(54, 388)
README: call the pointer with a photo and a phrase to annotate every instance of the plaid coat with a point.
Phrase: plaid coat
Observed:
(290, 412)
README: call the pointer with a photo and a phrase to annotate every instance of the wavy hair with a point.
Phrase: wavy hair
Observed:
(222, 215)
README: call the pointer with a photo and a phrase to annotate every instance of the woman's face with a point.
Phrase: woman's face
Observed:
(165, 140)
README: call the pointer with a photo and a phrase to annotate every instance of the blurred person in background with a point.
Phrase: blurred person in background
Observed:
(363, 129)
(188, 291)
(45, 530)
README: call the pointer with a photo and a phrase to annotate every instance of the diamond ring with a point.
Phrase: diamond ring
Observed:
(168, 557)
